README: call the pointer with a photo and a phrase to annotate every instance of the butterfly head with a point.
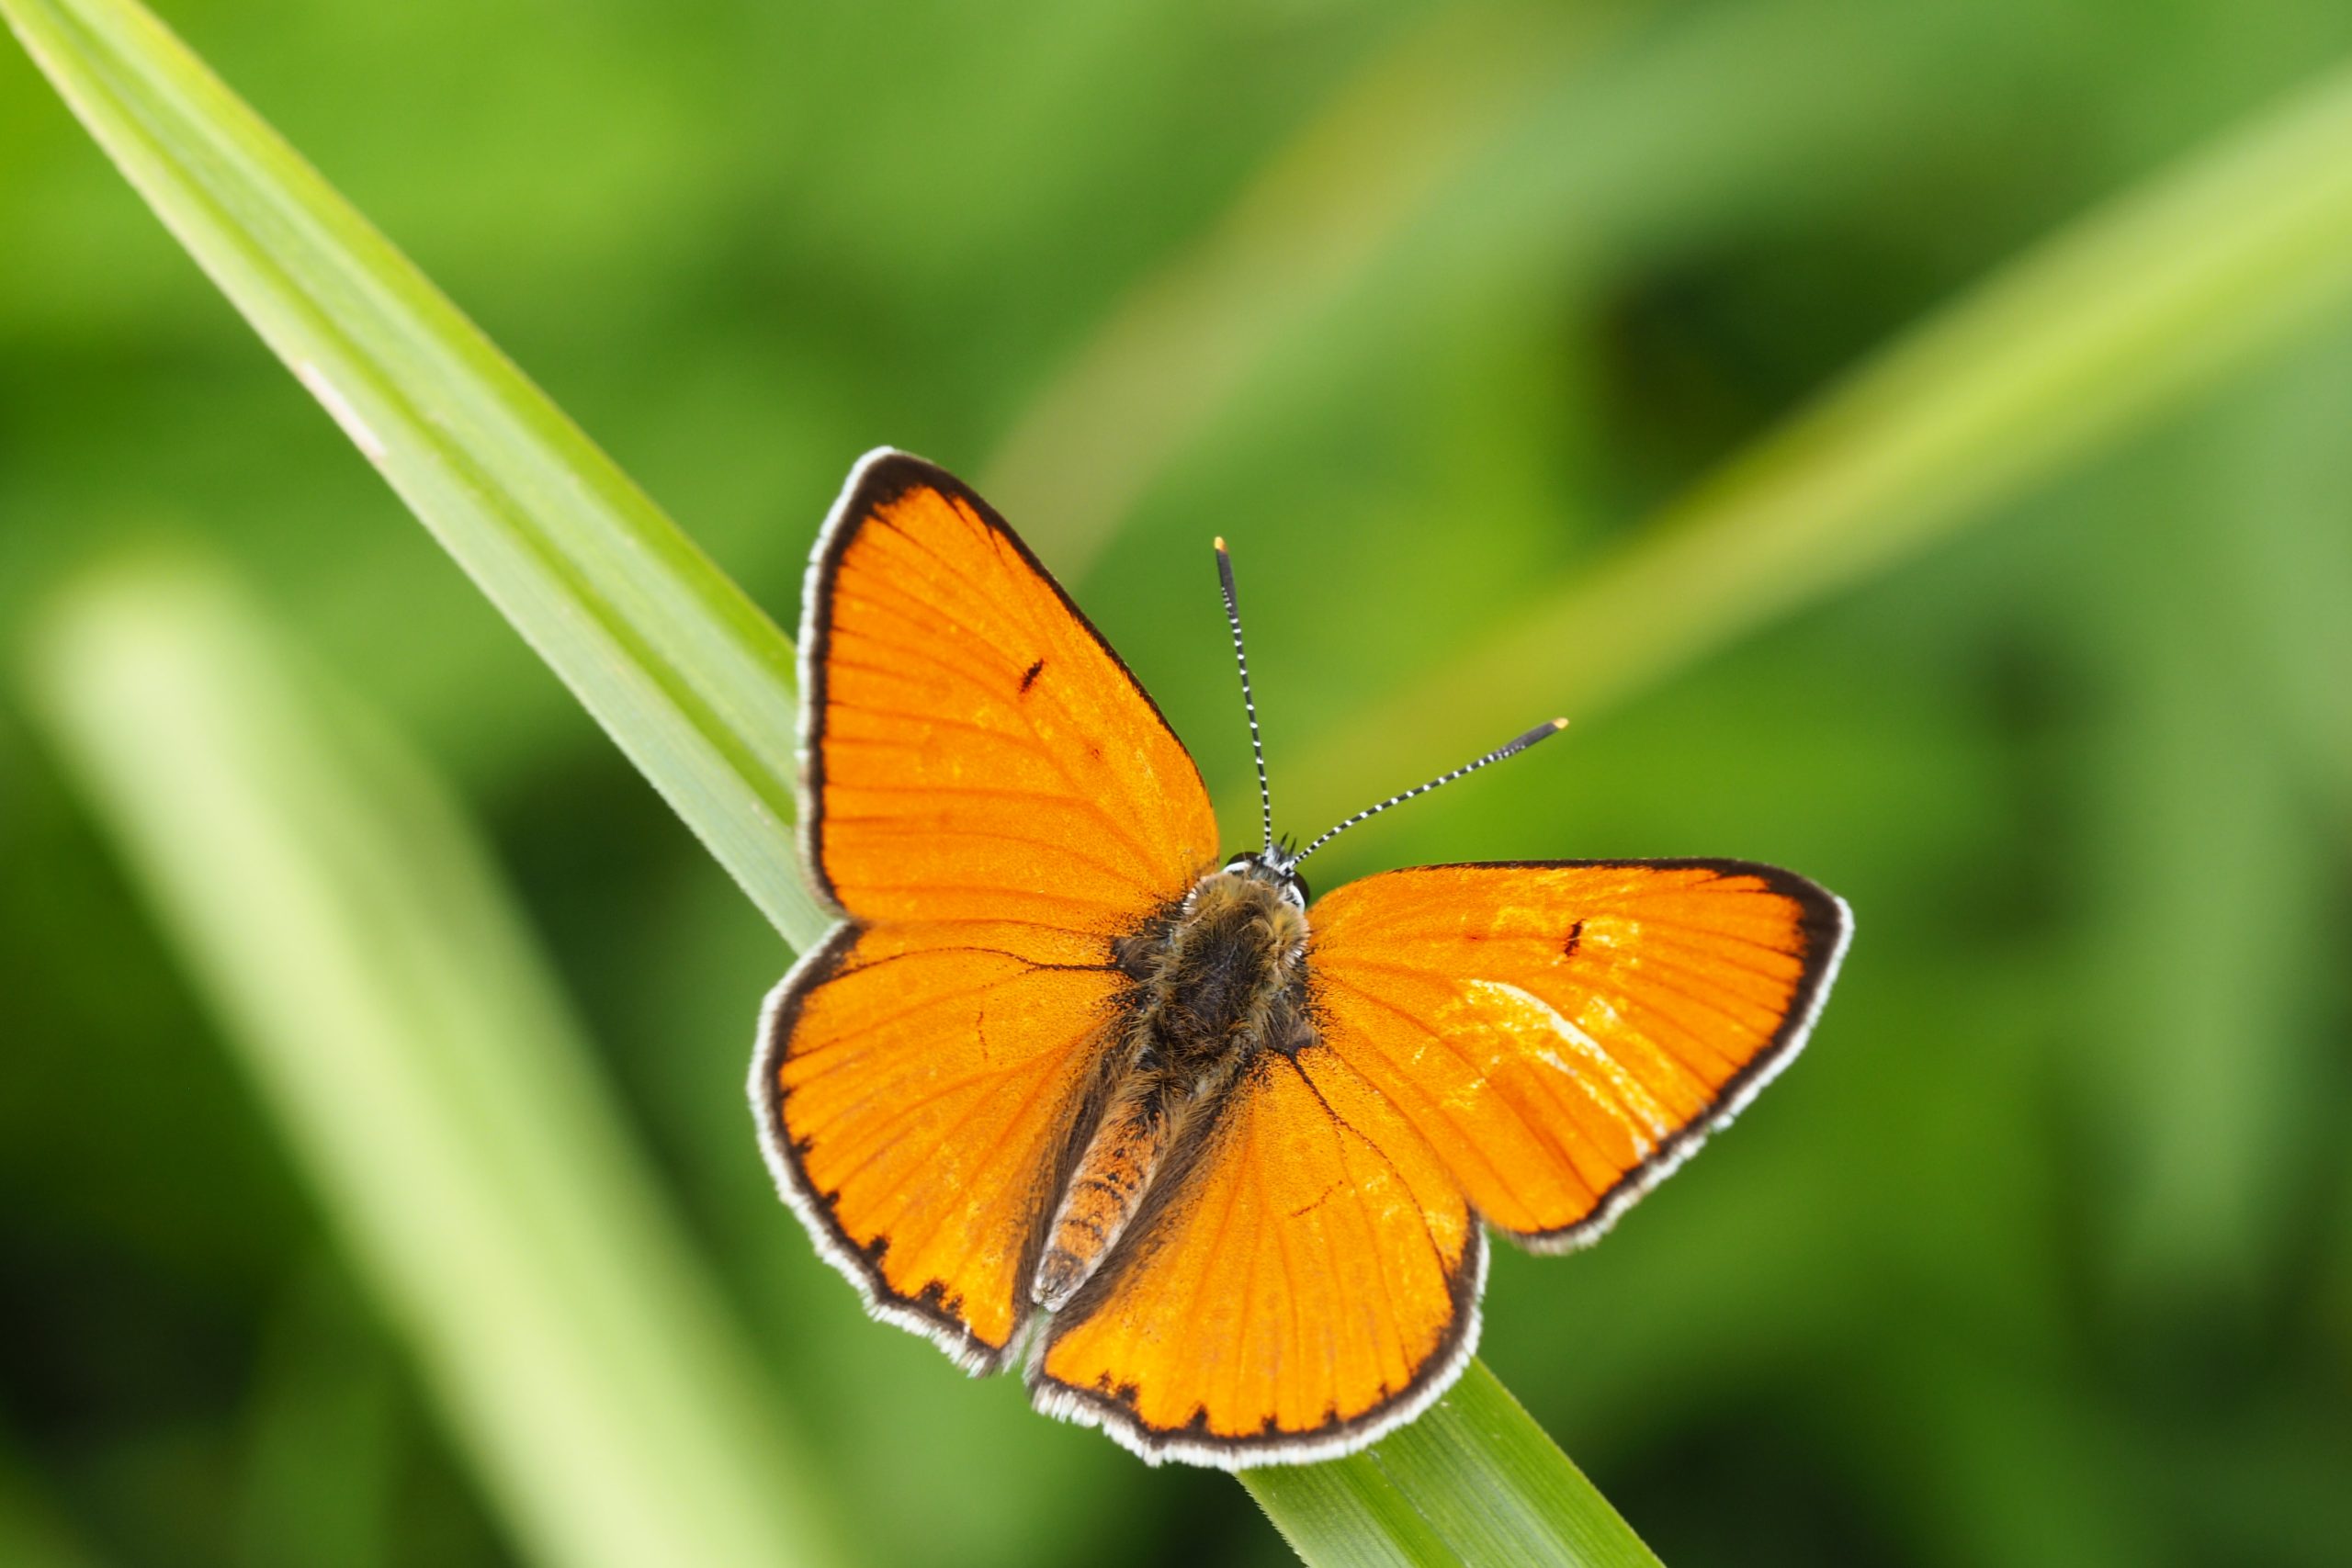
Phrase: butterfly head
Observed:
(1275, 867)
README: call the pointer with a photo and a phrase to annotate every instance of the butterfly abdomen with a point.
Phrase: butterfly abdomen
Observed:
(1109, 1184)
(1215, 985)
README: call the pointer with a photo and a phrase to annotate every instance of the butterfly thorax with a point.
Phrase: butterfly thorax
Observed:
(1218, 979)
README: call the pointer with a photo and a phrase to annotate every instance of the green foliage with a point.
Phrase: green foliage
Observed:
(690, 679)
(411, 1050)
(2033, 1259)
(2132, 308)
(1473, 1480)
(682, 672)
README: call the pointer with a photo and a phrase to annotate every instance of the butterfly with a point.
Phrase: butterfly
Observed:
(1069, 1087)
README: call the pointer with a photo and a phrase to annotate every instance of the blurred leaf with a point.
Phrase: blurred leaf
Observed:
(2107, 326)
(2207, 894)
(1966, 1429)
(384, 997)
(2290, 564)
(322, 1458)
(31, 1535)
(1473, 1480)
(1487, 146)
(1314, 217)
(682, 670)
(2273, 1488)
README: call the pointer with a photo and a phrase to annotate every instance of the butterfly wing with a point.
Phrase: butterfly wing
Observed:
(1564, 1034)
(1533, 1045)
(1309, 1281)
(991, 801)
(975, 753)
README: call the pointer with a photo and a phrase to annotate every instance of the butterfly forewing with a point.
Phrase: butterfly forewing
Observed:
(977, 752)
(1563, 1034)
(993, 802)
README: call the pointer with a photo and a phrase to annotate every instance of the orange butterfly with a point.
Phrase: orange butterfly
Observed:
(1067, 1086)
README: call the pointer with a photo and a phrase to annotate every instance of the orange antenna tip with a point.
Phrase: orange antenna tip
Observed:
(1559, 724)
(1219, 543)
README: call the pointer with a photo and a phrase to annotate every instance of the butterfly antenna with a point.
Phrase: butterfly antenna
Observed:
(1541, 732)
(1249, 704)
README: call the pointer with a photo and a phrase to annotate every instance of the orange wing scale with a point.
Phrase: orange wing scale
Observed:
(991, 800)
(1565, 1033)
(1318, 1267)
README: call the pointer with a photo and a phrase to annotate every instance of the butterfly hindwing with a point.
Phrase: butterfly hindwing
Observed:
(1565, 1033)
(1310, 1281)
(992, 801)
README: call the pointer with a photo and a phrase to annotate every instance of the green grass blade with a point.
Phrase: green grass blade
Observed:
(1473, 1480)
(2096, 332)
(690, 680)
(380, 992)
(688, 677)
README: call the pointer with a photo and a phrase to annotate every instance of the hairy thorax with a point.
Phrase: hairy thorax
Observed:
(1216, 980)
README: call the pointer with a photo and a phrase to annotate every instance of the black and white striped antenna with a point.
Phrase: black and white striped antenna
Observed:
(1249, 704)
(1541, 732)
(1286, 861)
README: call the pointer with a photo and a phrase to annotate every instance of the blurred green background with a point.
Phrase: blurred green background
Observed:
(2042, 1254)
